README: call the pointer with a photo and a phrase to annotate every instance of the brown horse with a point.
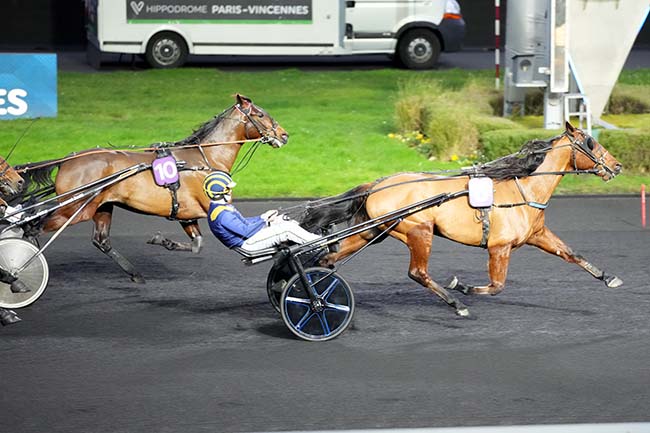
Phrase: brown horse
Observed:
(214, 146)
(524, 184)
(11, 184)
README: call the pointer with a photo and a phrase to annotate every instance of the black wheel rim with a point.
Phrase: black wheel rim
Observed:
(324, 319)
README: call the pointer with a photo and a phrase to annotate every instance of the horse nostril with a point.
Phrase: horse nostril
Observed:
(618, 168)
(285, 137)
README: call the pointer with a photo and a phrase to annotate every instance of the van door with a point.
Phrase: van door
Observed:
(377, 18)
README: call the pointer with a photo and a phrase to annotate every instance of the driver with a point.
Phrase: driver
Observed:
(253, 233)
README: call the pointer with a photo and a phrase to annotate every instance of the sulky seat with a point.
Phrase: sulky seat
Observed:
(253, 257)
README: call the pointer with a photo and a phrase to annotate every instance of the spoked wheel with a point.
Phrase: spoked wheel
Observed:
(323, 319)
(14, 253)
(281, 272)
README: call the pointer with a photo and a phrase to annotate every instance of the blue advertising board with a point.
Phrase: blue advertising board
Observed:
(27, 86)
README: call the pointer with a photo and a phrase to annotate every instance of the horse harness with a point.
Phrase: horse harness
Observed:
(583, 146)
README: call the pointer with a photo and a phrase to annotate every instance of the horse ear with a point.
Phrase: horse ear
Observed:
(243, 101)
(569, 127)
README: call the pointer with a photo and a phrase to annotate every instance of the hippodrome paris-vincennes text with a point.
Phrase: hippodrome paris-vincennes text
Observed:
(231, 9)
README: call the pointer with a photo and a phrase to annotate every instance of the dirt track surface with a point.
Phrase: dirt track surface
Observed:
(199, 348)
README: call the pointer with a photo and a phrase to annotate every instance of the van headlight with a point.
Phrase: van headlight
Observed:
(452, 7)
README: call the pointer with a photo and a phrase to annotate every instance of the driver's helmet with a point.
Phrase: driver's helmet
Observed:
(218, 184)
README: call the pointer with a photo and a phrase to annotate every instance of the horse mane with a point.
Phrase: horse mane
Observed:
(38, 177)
(519, 164)
(200, 134)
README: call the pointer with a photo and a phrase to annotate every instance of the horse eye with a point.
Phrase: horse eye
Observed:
(260, 114)
(590, 143)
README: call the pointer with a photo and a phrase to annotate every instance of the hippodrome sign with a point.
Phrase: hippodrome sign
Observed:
(229, 11)
(27, 86)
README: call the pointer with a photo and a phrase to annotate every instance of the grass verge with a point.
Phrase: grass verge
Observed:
(339, 122)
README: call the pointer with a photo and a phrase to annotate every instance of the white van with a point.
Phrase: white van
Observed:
(167, 31)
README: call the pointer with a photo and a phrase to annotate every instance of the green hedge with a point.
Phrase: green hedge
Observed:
(630, 147)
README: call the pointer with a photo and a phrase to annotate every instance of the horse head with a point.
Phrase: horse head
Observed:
(258, 123)
(11, 183)
(589, 154)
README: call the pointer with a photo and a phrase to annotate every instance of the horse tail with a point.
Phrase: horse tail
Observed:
(338, 209)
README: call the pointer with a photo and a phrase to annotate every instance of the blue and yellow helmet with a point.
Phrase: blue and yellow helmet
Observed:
(217, 184)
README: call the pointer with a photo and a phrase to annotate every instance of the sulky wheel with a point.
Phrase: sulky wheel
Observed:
(324, 319)
(14, 253)
(281, 272)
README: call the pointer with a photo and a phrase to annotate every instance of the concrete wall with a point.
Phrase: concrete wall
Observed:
(49, 24)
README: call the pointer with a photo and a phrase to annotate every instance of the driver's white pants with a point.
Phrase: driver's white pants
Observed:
(285, 231)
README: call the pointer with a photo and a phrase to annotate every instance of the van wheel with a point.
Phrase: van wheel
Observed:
(166, 50)
(418, 49)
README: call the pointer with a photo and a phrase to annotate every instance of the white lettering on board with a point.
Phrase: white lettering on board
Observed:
(17, 106)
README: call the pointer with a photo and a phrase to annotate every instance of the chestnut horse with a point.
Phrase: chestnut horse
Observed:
(524, 184)
(11, 184)
(214, 146)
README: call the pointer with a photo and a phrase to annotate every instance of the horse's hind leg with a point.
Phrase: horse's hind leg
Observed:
(101, 240)
(419, 240)
(547, 241)
(191, 227)
(348, 246)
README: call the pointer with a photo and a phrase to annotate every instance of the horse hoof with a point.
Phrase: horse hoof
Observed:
(613, 282)
(138, 279)
(19, 287)
(157, 239)
(8, 317)
(462, 312)
(451, 285)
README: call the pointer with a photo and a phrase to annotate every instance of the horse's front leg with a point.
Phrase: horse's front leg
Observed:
(498, 261)
(191, 227)
(547, 241)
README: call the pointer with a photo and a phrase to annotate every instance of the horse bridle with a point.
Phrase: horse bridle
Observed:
(586, 147)
(266, 135)
(3, 179)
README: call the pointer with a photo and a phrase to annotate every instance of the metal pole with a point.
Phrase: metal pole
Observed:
(497, 42)
(58, 232)
(643, 205)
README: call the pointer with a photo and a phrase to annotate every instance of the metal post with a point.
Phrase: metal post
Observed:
(497, 42)
(553, 110)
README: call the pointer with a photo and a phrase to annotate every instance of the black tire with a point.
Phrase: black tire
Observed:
(324, 321)
(166, 50)
(418, 49)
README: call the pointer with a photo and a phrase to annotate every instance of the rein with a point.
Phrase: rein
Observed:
(75, 155)
(575, 145)
(265, 137)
